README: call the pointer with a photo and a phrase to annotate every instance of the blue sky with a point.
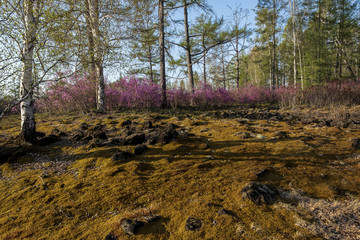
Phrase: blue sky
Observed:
(221, 7)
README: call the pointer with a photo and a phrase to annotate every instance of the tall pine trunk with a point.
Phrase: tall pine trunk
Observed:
(188, 48)
(274, 80)
(28, 127)
(162, 53)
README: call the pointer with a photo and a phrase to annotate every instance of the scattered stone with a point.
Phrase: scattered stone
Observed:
(111, 236)
(84, 126)
(307, 138)
(148, 125)
(223, 211)
(193, 224)
(259, 193)
(58, 133)
(40, 134)
(122, 156)
(126, 123)
(281, 135)
(260, 137)
(204, 130)
(116, 141)
(95, 143)
(168, 134)
(243, 135)
(135, 139)
(131, 226)
(243, 121)
(4, 156)
(78, 136)
(262, 173)
(356, 143)
(47, 140)
(151, 218)
(140, 149)
(99, 135)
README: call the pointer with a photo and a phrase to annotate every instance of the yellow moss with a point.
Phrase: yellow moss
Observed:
(191, 177)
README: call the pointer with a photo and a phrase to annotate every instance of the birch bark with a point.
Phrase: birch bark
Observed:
(28, 126)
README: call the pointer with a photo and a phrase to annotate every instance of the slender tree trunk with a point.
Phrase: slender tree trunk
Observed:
(275, 82)
(237, 61)
(301, 69)
(93, 8)
(91, 47)
(28, 126)
(151, 65)
(162, 53)
(293, 15)
(204, 62)
(188, 48)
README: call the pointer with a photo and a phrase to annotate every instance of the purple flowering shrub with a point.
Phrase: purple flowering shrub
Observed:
(77, 93)
(250, 94)
(134, 93)
(206, 95)
(70, 94)
(179, 97)
(331, 94)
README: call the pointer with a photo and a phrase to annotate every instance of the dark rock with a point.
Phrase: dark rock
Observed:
(126, 123)
(152, 138)
(192, 224)
(98, 131)
(281, 135)
(122, 156)
(262, 173)
(307, 138)
(356, 143)
(226, 212)
(243, 121)
(4, 156)
(168, 133)
(111, 236)
(100, 135)
(116, 141)
(140, 149)
(131, 226)
(58, 133)
(40, 134)
(78, 136)
(259, 193)
(84, 126)
(135, 139)
(95, 143)
(148, 125)
(47, 140)
(204, 130)
(243, 135)
(151, 218)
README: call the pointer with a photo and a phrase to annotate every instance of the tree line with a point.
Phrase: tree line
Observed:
(174, 43)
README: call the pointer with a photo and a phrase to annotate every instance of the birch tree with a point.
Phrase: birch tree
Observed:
(96, 51)
(28, 30)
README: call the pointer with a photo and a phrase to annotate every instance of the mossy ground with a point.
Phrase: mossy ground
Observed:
(195, 175)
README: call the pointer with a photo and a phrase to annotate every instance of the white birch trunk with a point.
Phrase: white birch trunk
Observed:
(93, 7)
(28, 127)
